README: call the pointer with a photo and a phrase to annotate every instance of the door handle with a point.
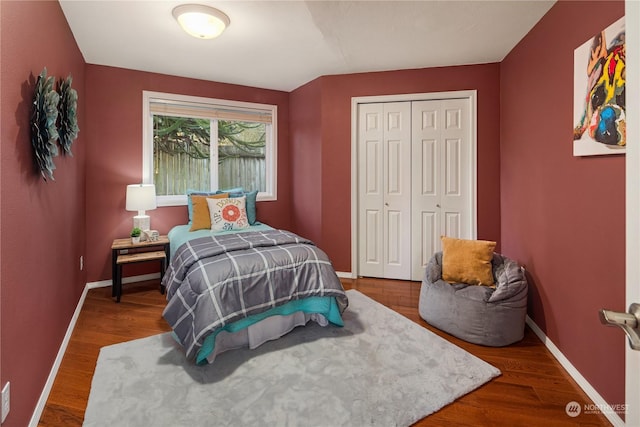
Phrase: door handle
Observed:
(629, 322)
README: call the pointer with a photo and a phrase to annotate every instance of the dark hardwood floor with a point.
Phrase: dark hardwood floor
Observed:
(533, 389)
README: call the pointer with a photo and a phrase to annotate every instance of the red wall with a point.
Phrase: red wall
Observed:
(563, 216)
(333, 226)
(306, 149)
(42, 223)
(114, 159)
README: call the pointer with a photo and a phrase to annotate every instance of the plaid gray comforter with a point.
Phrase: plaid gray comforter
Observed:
(213, 281)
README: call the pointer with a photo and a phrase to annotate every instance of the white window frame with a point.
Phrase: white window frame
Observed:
(271, 152)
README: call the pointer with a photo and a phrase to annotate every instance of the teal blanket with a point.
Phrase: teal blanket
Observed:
(327, 306)
(181, 234)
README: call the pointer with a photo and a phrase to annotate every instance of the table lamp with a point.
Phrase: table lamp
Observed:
(141, 197)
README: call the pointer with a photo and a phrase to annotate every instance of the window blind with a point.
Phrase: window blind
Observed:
(167, 107)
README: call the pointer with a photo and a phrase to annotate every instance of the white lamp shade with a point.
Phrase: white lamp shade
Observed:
(200, 21)
(141, 197)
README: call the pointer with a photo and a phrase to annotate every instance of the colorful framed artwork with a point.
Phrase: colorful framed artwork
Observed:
(599, 93)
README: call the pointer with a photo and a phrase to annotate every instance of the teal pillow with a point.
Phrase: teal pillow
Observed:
(250, 204)
(207, 193)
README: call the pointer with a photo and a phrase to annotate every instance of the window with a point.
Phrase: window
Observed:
(207, 144)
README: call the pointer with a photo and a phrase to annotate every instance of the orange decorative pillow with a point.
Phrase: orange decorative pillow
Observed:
(467, 261)
(201, 217)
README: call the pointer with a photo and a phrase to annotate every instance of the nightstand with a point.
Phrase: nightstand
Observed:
(124, 251)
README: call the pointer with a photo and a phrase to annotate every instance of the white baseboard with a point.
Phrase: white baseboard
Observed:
(344, 275)
(37, 413)
(131, 279)
(613, 417)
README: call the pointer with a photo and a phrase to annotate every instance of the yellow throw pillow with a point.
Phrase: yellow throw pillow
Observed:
(467, 261)
(201, 217)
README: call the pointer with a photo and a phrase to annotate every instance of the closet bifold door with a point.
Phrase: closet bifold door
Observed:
(384, 190)
(441, 181)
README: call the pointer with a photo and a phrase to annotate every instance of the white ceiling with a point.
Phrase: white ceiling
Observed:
(284, 44)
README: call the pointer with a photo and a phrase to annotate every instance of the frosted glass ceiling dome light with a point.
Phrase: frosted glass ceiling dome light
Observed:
(200, 21)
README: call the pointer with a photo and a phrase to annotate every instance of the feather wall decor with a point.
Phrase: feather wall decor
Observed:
(67, 109)
(44, 133)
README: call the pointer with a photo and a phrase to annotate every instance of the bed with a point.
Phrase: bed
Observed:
(241, 288)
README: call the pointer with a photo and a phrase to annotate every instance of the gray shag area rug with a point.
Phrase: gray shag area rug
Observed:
(380, 369)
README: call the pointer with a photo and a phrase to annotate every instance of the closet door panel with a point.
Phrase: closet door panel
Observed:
(452, 224)
(372, 246)
(370, 190)
(394, 239)
(441, 165)
(452, 168)
(429, 235)
(426, 161)
(394, 179)
(456, 159)
(397, 190)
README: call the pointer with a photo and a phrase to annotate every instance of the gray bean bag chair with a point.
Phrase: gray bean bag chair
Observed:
(478, 314)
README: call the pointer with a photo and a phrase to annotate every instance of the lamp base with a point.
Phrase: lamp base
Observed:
(143, 222)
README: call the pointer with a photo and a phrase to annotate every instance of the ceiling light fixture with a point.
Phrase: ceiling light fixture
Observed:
(200, 21)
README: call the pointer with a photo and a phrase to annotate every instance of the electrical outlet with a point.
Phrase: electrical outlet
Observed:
(6, 402)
